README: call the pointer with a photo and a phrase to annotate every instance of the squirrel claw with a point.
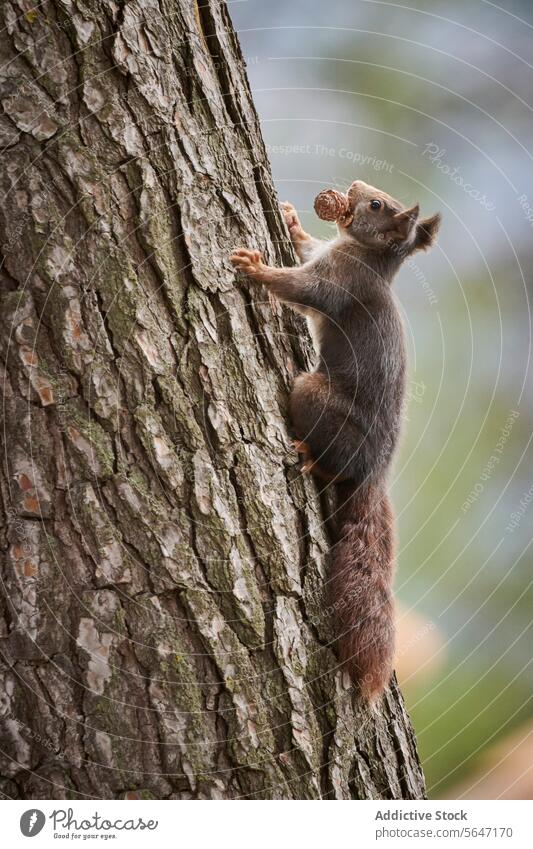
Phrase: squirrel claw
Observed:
(292, 221)
(247, 261)
(299, 446)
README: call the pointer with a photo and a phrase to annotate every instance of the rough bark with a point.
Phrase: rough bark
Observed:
(163, 630)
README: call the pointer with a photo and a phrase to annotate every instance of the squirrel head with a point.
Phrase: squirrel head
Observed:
(376, 220)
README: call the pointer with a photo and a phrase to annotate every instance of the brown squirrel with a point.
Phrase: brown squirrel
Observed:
(347, 412)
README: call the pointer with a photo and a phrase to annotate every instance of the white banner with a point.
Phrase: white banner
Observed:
(284, 824)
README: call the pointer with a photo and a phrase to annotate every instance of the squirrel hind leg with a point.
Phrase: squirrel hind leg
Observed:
(313, 468)
(300, 446)
(328, 439)
(310, 466)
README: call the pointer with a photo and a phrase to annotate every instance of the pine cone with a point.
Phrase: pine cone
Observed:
(331, 205)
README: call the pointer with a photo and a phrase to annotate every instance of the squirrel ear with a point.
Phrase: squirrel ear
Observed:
(426, 231)
(405, 221)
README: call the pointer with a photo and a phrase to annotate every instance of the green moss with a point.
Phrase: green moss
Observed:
(100, 441)
(121, 295)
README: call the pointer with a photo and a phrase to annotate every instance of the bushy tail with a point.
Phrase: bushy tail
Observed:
(361, 586)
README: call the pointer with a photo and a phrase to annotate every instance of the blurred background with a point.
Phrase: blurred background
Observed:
(433, 102)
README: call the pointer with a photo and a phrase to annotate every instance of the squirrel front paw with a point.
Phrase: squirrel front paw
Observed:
(296, 231)
(249, 262)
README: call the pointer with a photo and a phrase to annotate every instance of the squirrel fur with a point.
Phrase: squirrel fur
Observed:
(347, 412)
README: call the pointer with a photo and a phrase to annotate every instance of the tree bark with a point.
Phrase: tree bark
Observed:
(163, 630)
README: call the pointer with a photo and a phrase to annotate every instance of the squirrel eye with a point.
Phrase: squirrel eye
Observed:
(375, 204)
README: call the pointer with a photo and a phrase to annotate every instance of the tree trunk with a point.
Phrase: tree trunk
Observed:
(163, 630)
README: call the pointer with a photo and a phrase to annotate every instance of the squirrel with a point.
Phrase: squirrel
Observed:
(346, 413)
